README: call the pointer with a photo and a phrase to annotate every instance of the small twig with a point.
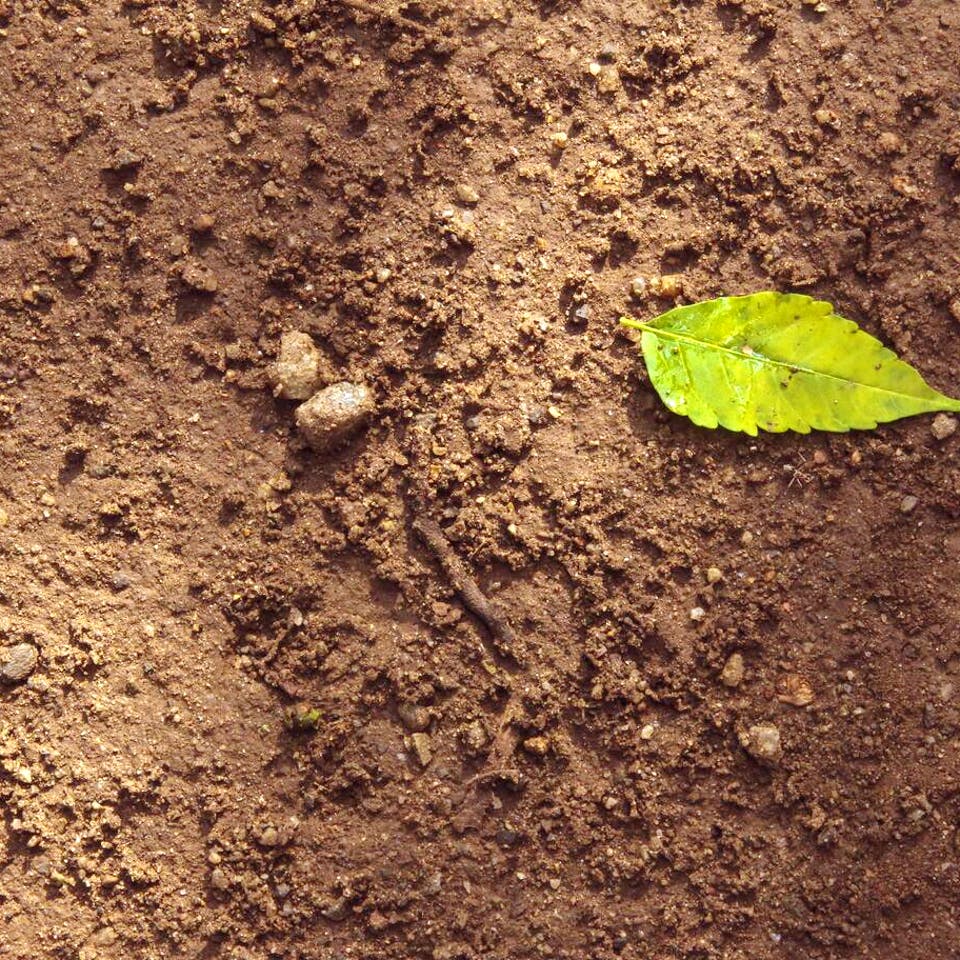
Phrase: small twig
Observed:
(494, 619)
(470, 593)
(504, 639)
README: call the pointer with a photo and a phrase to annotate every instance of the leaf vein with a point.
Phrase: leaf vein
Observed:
(707, 344)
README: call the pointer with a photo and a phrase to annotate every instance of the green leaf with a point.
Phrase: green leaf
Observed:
(778, 361)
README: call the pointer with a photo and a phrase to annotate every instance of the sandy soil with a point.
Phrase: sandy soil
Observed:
(263, 722)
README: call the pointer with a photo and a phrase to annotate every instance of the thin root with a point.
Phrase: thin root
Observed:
(470, 593)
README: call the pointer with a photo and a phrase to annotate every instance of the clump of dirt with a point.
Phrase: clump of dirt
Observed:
(527, 667)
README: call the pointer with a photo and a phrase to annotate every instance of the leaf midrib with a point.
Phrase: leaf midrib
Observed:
(793, 367)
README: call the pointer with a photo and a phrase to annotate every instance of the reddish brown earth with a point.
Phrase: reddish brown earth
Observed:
(238, 637)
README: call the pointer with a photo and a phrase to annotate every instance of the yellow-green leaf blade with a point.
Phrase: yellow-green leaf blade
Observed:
(776, 362)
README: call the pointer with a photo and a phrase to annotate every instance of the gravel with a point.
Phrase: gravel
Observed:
(296, 373)
(414, 717)
(943, 426)
(762, 742)
(18, 662)
(331, 415)
(422, 747)
(538, 746)
(733, 671)
(466, 193)
(199, 278)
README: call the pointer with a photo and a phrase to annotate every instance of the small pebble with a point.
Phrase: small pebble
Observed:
(943, 426)
(296, 373)
(608, 80)
(507, 837)
(762, 742)
(104, 937)
(200, 278)
(714, 574)
(904, 186)
(269, 837)
(18, 662)
(647, 731)
(414, 717)
(795, 690)
(203, 223)
(669, 286)
(331, 415)
(124, 158)
(697, 614)
(219, 880)
(826, 118)
(121, 581)
(538, 746)
(474, 737)
(467, 194)
(733, 671)
(422, 748)
(889, 142)
(908, 503)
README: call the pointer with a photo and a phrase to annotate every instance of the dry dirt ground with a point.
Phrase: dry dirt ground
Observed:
(263, 724)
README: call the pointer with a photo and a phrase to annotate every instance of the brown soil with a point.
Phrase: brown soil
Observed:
(264, 724)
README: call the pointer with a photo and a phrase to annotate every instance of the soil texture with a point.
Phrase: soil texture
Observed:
(514, 664)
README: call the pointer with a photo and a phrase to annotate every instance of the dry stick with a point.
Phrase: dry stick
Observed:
(473, 597)
(504, 639)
